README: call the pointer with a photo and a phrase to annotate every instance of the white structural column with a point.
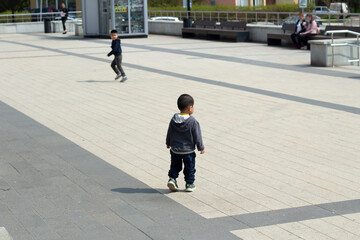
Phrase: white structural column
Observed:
(112, 7)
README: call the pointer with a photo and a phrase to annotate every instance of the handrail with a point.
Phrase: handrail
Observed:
(36, 14)
(342, 31)
(248, 16)
(24, 17)
(334, 45)
(262, 12)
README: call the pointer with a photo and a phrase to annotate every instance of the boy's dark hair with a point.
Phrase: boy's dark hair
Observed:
(185, 101)
(114, 31)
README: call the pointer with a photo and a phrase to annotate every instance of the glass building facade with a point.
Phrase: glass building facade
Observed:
(128, 17)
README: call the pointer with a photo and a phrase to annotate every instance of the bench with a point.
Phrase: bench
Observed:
(288, 28)
(212, 31)
(275, 38)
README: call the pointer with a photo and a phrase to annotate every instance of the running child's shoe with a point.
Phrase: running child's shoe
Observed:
(124, 79)
(118, 76)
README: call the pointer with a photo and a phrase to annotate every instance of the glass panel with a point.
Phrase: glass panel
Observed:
(121, 16)
(137, 16)
(243, 3)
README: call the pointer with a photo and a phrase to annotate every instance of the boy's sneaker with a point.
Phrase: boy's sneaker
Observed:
(172, 185)
(124, 79)
(190, 187)
(118, 76)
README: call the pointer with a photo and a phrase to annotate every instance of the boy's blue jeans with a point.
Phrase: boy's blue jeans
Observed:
(189, 166)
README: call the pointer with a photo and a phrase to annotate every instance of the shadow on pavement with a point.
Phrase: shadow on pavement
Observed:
(98, 81)
(135, 190)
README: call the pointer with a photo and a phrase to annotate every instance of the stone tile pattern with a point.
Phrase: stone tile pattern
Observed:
(51, 188)
(263, 153)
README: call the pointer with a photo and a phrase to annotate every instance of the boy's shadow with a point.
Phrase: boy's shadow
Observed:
(142, 191)
(98, 81)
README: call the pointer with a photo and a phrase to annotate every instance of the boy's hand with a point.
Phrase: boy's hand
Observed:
(167, 146)
(202, 151)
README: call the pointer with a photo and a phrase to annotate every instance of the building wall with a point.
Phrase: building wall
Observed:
(226, 2)
(78, 5)
(241, 3)
(32, 4)
(287, 2)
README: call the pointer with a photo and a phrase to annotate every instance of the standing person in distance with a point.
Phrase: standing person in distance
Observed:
(64, 12)
(117, 52)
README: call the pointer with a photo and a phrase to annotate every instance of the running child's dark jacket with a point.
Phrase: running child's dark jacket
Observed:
(116, 48)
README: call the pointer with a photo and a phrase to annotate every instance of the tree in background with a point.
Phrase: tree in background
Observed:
(13, 5)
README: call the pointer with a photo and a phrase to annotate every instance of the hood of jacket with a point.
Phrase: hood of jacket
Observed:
(182, 123)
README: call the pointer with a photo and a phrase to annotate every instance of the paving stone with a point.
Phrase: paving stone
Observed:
(281, 140)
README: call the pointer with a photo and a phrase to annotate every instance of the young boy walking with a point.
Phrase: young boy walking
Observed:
(183, 135)
(117, 52)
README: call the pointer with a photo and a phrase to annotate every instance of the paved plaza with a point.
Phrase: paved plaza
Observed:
(83, 157)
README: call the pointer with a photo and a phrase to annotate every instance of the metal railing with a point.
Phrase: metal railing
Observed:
(255, 17)
(333, 45)
(36, 17)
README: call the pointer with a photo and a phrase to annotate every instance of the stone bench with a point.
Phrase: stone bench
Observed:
(321, 52)
(79, 29)
(232, 30)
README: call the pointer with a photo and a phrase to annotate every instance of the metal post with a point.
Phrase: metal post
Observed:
(57, 4)
(267, 17)
(188, 9)
(41, 4)
(358, 52)
(332, 46)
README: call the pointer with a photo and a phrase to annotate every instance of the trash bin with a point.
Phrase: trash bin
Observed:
(47, 25)
(187, 22)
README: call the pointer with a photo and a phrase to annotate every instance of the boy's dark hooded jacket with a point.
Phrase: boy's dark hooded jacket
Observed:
(116, 48)
(184, 134)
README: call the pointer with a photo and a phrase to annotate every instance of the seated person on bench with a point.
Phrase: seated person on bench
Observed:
(300, 27)
(311, 30)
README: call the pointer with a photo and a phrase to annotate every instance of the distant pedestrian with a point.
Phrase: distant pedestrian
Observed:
(64, 13)
(117, 52)
(183, 135)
